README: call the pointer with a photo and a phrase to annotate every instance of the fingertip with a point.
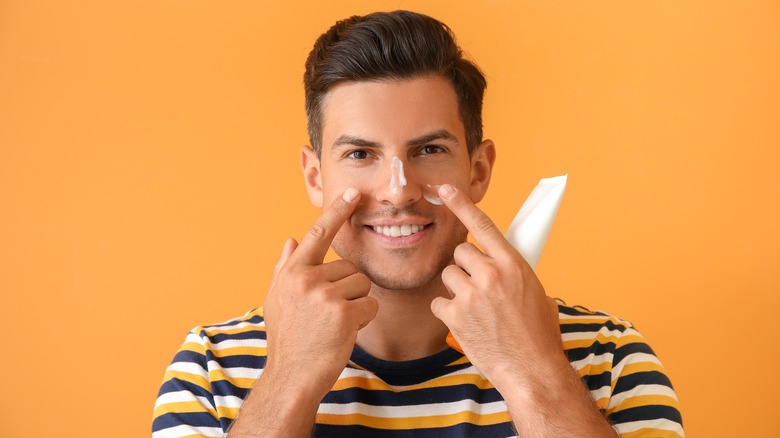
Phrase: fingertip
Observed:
(446, 191)
(289, 245)
(350, 194)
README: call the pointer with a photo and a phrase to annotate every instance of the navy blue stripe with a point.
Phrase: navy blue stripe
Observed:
(579, 311)
(458, 430)
(643, 413)
(629, 349)
(247, 335)
(190, 356)
(596, 381)
(195, 419)
(577, 327)
(175, 384)
(225, 388)
(239, 360)
(413, 397)
(596, 348)
(631, 381)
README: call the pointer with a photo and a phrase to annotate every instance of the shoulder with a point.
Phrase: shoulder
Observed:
(204, 345)
(622, 372)
(249, 326)
(582, 328)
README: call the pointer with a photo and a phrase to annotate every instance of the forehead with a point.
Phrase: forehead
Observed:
(390, 111)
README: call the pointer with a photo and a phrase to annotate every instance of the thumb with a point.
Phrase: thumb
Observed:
(439, 308)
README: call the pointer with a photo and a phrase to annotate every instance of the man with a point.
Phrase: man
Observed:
(357, 347)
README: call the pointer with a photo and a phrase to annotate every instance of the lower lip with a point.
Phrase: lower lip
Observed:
(402, 241)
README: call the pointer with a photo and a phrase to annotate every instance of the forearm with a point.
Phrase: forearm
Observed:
(554, 404)
(274, 408)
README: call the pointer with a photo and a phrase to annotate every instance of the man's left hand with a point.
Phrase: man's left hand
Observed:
(498, 312)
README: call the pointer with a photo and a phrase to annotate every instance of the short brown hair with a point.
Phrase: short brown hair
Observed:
(391, 45)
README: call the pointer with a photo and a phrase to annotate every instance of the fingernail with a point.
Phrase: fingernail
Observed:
(350, 194)
(446, 191)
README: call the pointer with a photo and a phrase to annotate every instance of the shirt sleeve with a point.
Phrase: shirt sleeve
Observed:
(185, 404)
(642, 403)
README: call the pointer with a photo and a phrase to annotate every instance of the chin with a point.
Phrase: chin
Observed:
(390, 281)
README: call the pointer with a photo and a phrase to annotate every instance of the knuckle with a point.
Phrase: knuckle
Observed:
(363, 281)
(307, 279)
(482, 223)
(318, 231)
(347, 266)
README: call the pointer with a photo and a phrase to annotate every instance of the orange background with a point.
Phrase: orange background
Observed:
(149, 176)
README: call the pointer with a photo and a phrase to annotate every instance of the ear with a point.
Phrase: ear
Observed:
(482, 159)
(310, 165)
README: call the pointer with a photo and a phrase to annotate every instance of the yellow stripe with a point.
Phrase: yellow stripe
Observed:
(235, 351)
(194, 347)
(603, 403)
(618, 340)
(590, 369)
(211, 331)
(644, 400)
(377, 384)
(591, 319)
(194, 436)
(639, 367)
(413, 422)
(187, 377)
(230, 413)
(241, 382)
(655, 433)
(183, 407)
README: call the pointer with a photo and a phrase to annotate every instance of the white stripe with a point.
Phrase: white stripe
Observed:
(633, 358)
(591, 336)
(602, 392)
(231, 343)
(413, 411)
(182, 430)
(229, 401)
(640, 390)
(238, 372)
(181, 396)
(188, 368)
(212, 330)
(661, 423)
(194, 338)
(593, 360)
(563, 317)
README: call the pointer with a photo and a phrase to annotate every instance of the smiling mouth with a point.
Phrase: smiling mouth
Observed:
(398, 230)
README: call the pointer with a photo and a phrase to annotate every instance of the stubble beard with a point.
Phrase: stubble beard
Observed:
(401, 277)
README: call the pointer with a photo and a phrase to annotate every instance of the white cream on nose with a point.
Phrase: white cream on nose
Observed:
(397, 177)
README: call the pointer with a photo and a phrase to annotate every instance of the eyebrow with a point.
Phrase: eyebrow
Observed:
(441, 134)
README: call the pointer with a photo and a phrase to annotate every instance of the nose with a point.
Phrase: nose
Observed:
(397, 184)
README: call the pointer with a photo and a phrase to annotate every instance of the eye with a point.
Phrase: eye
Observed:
(357, 154)
(431, 149)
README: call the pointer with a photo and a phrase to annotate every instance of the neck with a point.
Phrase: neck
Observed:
(404, 327)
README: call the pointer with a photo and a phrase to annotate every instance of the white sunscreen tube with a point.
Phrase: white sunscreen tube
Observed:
(529, 230)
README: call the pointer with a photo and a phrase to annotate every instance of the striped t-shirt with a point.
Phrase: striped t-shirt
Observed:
(436, 396)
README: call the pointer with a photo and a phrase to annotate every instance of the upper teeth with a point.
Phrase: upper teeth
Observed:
(398, 230)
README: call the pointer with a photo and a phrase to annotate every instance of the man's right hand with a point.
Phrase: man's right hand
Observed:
(314, 310)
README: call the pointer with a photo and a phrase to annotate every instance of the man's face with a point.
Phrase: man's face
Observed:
(366, 125)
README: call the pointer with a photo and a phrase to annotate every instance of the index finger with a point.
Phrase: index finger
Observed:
(317, 240)
(476, 221)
